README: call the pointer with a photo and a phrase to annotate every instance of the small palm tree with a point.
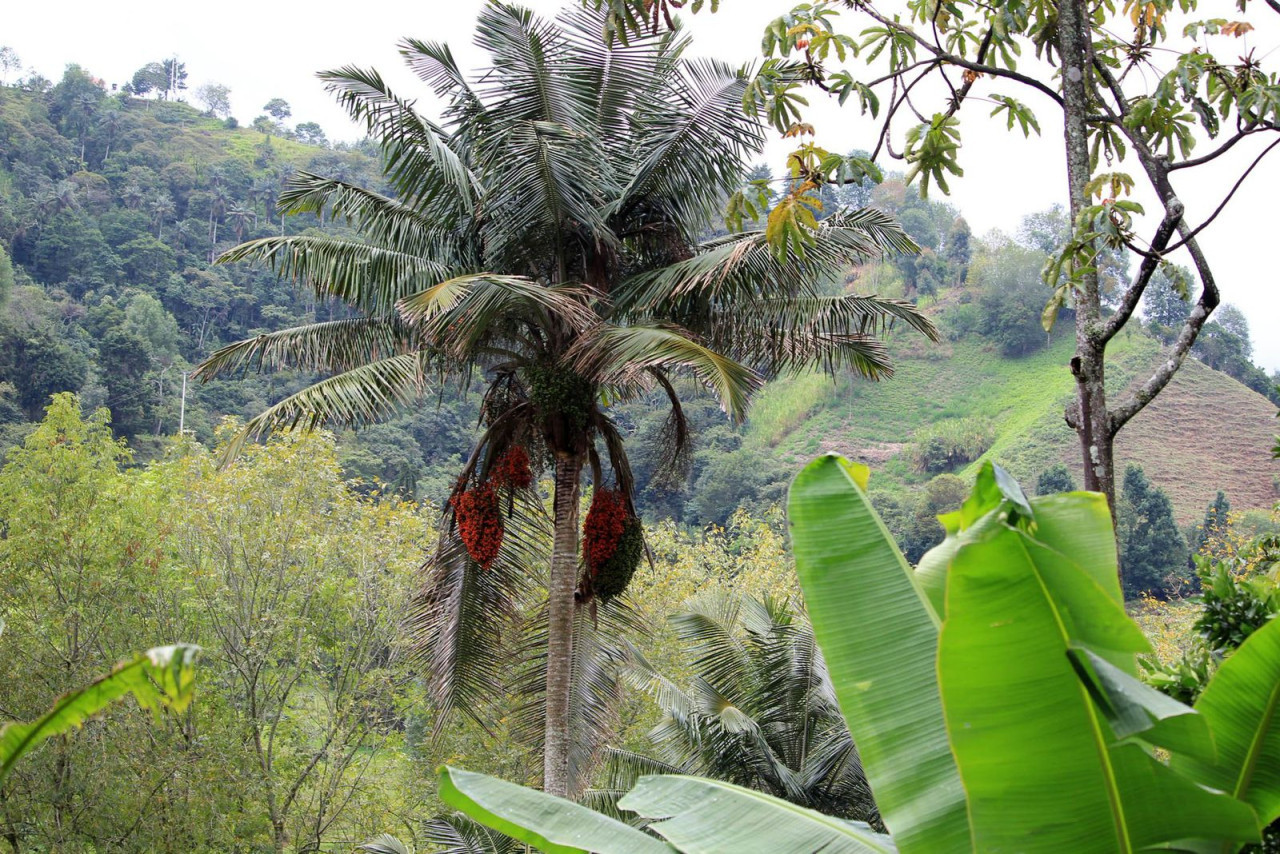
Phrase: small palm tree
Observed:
(759, 712)
(549, 233)
(162, 207)
(239, 217)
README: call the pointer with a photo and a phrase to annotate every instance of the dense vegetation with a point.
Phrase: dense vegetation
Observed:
(539, 311)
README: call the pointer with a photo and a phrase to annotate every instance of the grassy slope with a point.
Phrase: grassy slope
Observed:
(1205, 432)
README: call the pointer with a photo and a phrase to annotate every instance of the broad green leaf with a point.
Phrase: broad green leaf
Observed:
(160, 677)
(1135, 709)
(879, 635)
(1043, 771)
(554, 825)
(991, 488)
(701, 816)
(1242, 707)
(1079, 524)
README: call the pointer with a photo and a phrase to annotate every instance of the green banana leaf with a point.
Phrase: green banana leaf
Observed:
(1065, 516)
(879, 636)
(553, 825)
(1042, 767)
(1136, 710)
(161, 677)
(701, 816)
(1242, 707)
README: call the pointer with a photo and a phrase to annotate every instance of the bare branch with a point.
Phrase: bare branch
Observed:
(1189, 236)
(1209, 298)
(1222, 149)
(1150, 261)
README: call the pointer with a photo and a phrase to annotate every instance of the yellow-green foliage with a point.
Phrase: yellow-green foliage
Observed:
(1170, 626)
(293, 585)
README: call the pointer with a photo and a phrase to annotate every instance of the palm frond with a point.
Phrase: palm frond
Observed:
(367, 277)
(418, 159)
(353, 398)
(458, 834)
(611, 353)
(547, 185)
(692, 142)
(620, 770)
(529, 82)
(742, 267)
(435, 65)
(674, 441)
(593, 703)
(329, 347)
(757, 712)
(383, 221)
(456, 314)
(463, 618)
(618, 77)
(386, 844)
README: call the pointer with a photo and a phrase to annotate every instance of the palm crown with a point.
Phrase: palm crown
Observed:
(547, 232)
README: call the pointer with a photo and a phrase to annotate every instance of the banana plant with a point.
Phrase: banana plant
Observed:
(163, 677)
(992, 693)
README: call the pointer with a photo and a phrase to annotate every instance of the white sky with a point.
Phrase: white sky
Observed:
(269, 49)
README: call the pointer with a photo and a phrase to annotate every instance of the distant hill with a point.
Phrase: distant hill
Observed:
(1204, 432)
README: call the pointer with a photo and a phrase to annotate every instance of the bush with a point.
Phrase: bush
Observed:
(961, 321)
(1235, 605)
(949, 444)
(1055, 479)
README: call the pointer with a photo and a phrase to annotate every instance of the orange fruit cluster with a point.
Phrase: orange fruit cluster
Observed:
(479, 522)
(512, 469)
(606, 520)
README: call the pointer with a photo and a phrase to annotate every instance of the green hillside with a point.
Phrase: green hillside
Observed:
(1205, 432)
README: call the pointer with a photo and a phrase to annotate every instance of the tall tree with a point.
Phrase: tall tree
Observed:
(278, 109)
(1213, 530)
(548, 232)
(1129, 96)
(1151, 546)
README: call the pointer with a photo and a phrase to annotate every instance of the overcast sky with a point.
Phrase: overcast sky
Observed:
(269, 48)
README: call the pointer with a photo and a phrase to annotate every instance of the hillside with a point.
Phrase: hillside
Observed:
(112, 208)
(1205, 432)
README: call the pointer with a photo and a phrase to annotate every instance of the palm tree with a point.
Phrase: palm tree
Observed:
(760, 712)
(264, 191)
(548, 233)
(239, 216)
(162, 207)
(219, 198)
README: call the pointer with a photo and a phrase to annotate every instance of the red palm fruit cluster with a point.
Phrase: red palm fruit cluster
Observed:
(602, 530)
(479, 522)
(512, 469)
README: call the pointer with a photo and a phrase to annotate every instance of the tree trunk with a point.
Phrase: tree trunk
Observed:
(560, 606)
(1089, 415)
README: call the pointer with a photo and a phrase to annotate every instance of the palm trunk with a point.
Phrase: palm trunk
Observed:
(560, 605)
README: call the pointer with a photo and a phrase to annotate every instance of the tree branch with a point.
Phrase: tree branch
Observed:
(1239, 183)
(1222, 149)
(1209, 298)
(952, 59)
(1150, 261)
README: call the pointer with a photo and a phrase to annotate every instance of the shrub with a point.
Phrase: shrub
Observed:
(950, 444)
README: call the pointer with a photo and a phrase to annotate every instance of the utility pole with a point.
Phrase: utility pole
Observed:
(182, 408)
